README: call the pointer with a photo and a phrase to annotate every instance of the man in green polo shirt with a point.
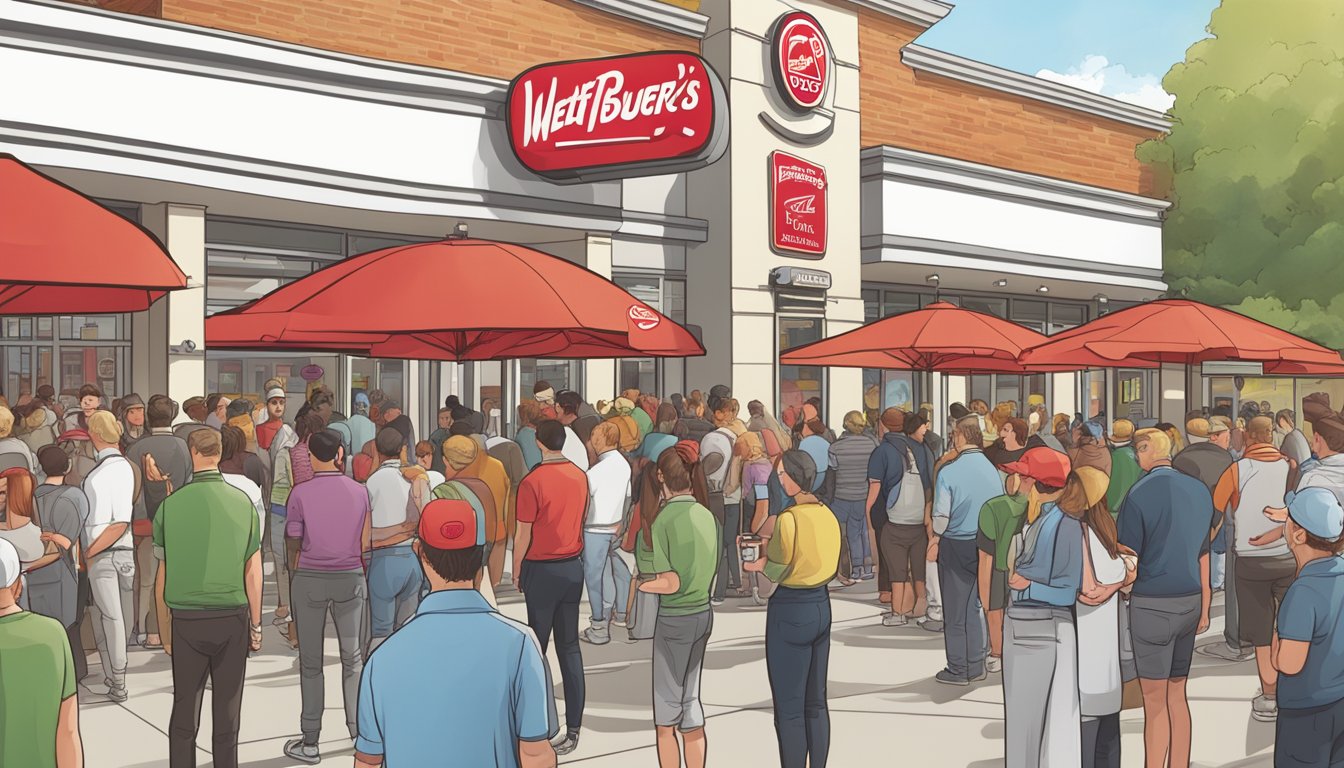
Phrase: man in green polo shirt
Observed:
(39, 713)
(1000, 520)
(207, 535)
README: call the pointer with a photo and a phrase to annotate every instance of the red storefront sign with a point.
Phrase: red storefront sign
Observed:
(637, 115)
(797, 206)
(801, 59)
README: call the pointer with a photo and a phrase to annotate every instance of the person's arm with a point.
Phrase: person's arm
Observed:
(534, 708)
(368, 761)
(536, 754)
(1296, 625)
(522, 539)
(161, 610)
(107, 538)
(366, 532)
(1289, 657)
(69, 746)
(1205, 593)
(1226, 494)
(941, 514)
(984, 572)
(369, 742)
(525, 514)
(252, 584)
(665, 583)
(780, 552)
(874, 489)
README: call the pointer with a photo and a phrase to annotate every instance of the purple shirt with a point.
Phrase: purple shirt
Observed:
(327, 514)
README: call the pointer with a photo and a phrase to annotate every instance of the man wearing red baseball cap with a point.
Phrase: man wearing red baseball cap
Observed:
(487, 700)
(1042, 718)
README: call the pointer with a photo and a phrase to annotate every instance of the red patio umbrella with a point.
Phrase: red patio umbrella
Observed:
(1182, 332)
(457, 299)
(940, 337)
(62, 253)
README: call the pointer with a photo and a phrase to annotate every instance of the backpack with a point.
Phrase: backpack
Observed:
(629, 430)
(906, 499)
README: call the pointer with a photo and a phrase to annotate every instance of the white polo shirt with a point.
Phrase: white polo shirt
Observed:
(389, 494)
(608, 492)
(575, 450)
(109, 487)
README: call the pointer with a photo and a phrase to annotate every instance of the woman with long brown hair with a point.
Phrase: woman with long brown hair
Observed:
(1105, 571)
(16, 519)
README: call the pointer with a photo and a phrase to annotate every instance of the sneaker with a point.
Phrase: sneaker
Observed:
(596, 634)
(867, 576)
(993, 665)
(117, 695)
(568, 744)
(947, 678)
(1264, 709)
(1225, 652)
(929, 625)
(716, 601)
(295, 749)
(894, 620)
(619, 620)
(984, 673)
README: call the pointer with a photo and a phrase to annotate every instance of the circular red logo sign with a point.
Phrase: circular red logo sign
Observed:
(452, 530)
(645, 319)
(802, 59)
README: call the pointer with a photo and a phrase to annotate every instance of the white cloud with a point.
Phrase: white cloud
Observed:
(1097, 74)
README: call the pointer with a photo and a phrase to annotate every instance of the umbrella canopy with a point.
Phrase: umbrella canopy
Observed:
(62, 253)
(1182, 332)
(940, 337)
(459, 299)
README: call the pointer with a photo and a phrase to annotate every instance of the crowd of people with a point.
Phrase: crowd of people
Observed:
(1076, 558)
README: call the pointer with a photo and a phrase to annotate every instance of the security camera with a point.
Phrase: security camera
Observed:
(185, 348)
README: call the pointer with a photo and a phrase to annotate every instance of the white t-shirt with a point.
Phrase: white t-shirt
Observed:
(720, 441)
(608, 492)
(435, 478)
(575, 450)
(1099, 682)
(389, 494)
(253, 491)
(109, 487)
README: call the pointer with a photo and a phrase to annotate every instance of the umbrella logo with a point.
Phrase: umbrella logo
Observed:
(644, 318)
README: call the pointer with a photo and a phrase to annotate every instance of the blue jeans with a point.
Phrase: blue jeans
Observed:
(853, 519)
(964, 631)
(605, 575)
(797, 654)
(395, 580)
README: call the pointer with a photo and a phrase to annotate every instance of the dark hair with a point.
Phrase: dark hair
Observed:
(800, 466)
(206, 442)
(424, 448)
(453, 564)
(389, 443)
(160, 411)
(46, 392)
(1019, 427)
(551, 434)
(463, 427)
(1288, 415)
(452, 401)
(238, 407)
(322, 397)
(817, 426)
(913, 421)
(309, 424)
(569, 401)
(324, 444)
(969, 428)
(212, 401)
(233, 439)
(54, 460)
(649, 502)
(666, 418)
(460, 412)
(88, 390)
(681, 476)
(541, 386)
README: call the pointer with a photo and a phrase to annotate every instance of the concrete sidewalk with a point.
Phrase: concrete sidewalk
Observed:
(883, 702)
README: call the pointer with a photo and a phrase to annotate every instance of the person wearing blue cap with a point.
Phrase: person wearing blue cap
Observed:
(1308, 649)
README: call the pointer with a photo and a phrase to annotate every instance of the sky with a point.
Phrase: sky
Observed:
(1117, 48)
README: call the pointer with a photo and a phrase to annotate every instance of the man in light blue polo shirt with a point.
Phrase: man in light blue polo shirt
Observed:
(1308, 651)
(962, 487)
(486, 702)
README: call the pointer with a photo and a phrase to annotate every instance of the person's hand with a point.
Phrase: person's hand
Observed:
(167, 645)
(61, 541)
(1018, 582)
(255, 643)
(754, 566)
(152, 471)
(1277, 514)
(1203, 623)
(1267, 538)
(931, 554)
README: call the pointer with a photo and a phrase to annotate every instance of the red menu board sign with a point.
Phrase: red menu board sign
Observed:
(797, 206)
(637, 115)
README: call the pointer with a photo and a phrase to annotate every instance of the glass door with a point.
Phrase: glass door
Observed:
(799, 383)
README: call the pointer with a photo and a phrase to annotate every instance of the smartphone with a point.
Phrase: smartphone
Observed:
(750, 546)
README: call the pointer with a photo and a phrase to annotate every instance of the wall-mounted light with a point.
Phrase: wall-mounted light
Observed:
(459, 232)
(932, 279)
(1043, 289)
(1101, 298)
(1001, 282)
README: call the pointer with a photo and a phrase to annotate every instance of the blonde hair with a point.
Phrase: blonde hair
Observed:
(855, 422)
(1161, 441)
(104, 426)
(606, 434)
(6, 421)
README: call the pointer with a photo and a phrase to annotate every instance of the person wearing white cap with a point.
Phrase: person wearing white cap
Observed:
(275, 438)
(1308, 649)
(39, 712)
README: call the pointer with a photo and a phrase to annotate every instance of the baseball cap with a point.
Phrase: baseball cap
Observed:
(389, 404)
(459, 451)
(275, 392)
(1197, 427)
(893, 419)
(1317, 510)
(1044, 465)
(450, 524)
(1095, 429)
(9, 564)
(1122, 429)
(1219, 424)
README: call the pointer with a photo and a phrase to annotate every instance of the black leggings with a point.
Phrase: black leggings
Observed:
(552, 589)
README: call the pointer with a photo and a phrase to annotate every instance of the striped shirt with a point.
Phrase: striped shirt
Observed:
(849, 459)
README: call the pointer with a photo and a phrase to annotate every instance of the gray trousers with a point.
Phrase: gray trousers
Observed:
(1042, 720)
(112, 587)
(679, 644)
(275, 532)
(964, 631)
(345, 595)
(1231, 616)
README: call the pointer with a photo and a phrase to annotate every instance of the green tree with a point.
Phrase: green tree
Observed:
(1254, 166)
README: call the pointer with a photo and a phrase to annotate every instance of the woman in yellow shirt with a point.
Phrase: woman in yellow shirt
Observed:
(801, 558)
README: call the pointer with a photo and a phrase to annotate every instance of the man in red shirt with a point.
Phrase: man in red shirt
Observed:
(552, 500)
(275, 418)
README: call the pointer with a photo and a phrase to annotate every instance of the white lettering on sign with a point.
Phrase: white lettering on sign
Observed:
(602, 101)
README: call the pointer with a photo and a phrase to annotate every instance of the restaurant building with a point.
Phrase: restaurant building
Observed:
(843, 173)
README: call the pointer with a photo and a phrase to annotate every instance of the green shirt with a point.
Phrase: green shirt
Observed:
(643, 556)
(643, 421)
(686, 540)
(1125, 472)
(204, 533)
(37, 673)
(1000, 519)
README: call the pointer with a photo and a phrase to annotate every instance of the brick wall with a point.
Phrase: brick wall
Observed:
(498, 38)
(947, 117)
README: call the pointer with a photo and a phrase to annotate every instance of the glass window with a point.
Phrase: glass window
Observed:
(1032, 314)
(560, 374)
(1134, 399)
(44, 327)
(1096, 395)
(928, 298)
(243, 374)
(101, 366)
(1066, 316)
(872, 309)
(90, 327)
(896, 302)
(269, 236)
(641, 374)
(368, 374)
(798, 383)
(366, 244)
(995, 307)
(674, 299)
